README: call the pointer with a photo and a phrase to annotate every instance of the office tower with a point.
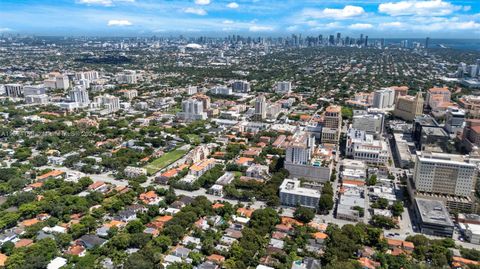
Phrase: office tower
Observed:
(366, 41)
(437, 97)
(339, 36)
(454, 120)
(370, 123)
(192, 109)
(79, 95)
(408, 107)
(384, 98)
(241, 86)
(382, 42)
(283, 87)
(331, 40)
(14, 90)
(332, 124)
(427, 42)
(445, 174)
(260, 107)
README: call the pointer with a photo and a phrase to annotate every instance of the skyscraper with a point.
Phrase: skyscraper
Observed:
(79, 95)
(427, 42)
(261, 107)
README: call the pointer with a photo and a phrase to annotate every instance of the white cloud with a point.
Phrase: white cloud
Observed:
(393, 24)
(119, 23)
(292, 28)
(5, 29)
(196, 11)
(106, 3)
(228, 22)
(360, 26)
(259, 28)
(420, 8)
(232, 5)
(202, 2)
(334, 13)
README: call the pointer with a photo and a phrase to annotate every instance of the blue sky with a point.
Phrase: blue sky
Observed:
(391, 18)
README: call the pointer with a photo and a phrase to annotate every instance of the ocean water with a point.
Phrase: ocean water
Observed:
(461, 44)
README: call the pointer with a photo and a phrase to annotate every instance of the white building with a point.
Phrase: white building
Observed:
(300, 149)
(127, 77)
(368, 122)
(283, 87)
(454, 120)
(130, 94)
(444, 174)
(241, 86)
(110, 102)
(133, 172)
(220, 90)
(34, 90)
(384, 98)
(88, 75)
(261, 107)
(191, 90)
(79, 95)
(62, 82)
(293, 194)
(192, 109)
(363, 146)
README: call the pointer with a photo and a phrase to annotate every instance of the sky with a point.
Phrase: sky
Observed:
(389, 19)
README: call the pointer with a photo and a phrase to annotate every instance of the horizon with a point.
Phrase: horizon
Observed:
(437, 19)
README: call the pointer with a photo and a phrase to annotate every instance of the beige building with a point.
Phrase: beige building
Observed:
(408, 107)
(332, 124)
(438, 97)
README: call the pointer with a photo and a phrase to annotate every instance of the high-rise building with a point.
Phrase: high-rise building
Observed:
(29, 90)
(283, 87)
(14, 90)
(79, 95)
(192, 109)
(454, 120)
(408, 107)
(437, 97)
(384, 98)
(62, 82)
(261, 107)
(427, 42)
(241, 86)
(332, 124)
(444, 174)
(300, 148)
(110, 102)
(371, 123)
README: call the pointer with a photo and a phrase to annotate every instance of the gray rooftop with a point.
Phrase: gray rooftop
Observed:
(434, 212)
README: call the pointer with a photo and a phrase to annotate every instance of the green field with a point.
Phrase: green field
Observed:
(164, 161)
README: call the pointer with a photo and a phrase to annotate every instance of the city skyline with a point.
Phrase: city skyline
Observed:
(393, 19)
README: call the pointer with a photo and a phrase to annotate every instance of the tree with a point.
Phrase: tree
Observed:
(325, 203)
(397, 208)
(372, 180)
(162, 241)
(135, 226)
(304, 214)
(383, 222)
(39, 160)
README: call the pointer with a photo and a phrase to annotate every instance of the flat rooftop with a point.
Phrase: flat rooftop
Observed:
(433, 212)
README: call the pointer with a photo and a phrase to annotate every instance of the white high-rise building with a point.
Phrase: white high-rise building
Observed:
(88, 75)
(79, 95)
(300, 148)
(192, 109)
(363, 146)
(371, 123)
(293, 194)
(261, 107)
(62, 82)
(283, 87)
(110, 102)
(384, 98)
(454, 120)
(14, 90)
(241, 86)
(191, 90)
(445, 174)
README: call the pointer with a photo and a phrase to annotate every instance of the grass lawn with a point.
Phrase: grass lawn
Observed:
(164, 161)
